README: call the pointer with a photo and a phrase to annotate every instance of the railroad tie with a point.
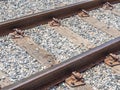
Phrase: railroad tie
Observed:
(44, 57)
(81, 62)
(6, 80)
(107, 7)
(102, 26)
(85, 87)
(72, 36)
(116, 69)
(115, 12)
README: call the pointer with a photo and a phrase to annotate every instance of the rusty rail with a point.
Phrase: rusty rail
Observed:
(59, 72)
(43, 17)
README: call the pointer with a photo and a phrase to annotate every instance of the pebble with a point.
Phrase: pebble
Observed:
(117, 6)
(15, 62)
(87, 31)
(54, 43)
(62, 86)
(102, 78)
(18, 64)
(110, 19)
(10, 9)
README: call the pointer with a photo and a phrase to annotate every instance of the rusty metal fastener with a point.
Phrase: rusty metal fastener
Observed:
(107, 6)
(83, 13)
(117, 58)
(18, 33)
(112, 60)
(76, 79)
(54, 22)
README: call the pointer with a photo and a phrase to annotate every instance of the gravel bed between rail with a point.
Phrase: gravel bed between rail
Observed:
(87, 31)
(54, 43)
(117, 6)
(102, 77)
(15, 62)
(109, 18)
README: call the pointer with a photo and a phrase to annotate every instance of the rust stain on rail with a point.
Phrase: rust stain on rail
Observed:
(43, 17)
(59, 72)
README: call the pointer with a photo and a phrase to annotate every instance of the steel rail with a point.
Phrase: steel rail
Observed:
(59, 72)
(43, 17)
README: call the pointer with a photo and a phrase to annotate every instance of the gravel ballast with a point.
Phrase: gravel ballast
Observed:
(10, 9)
(100, 77)
(54, 43)
(110, 19)
(117, 6)
(87, 31)
(18, 64)
(15, 62)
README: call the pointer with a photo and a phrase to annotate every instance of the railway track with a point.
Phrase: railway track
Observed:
(47, 48)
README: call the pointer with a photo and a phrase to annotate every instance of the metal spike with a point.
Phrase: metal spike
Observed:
(54, 22)
(83, 13)
(108, 6)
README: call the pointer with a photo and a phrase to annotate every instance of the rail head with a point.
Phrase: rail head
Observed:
(43, 17)
(50, 75)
